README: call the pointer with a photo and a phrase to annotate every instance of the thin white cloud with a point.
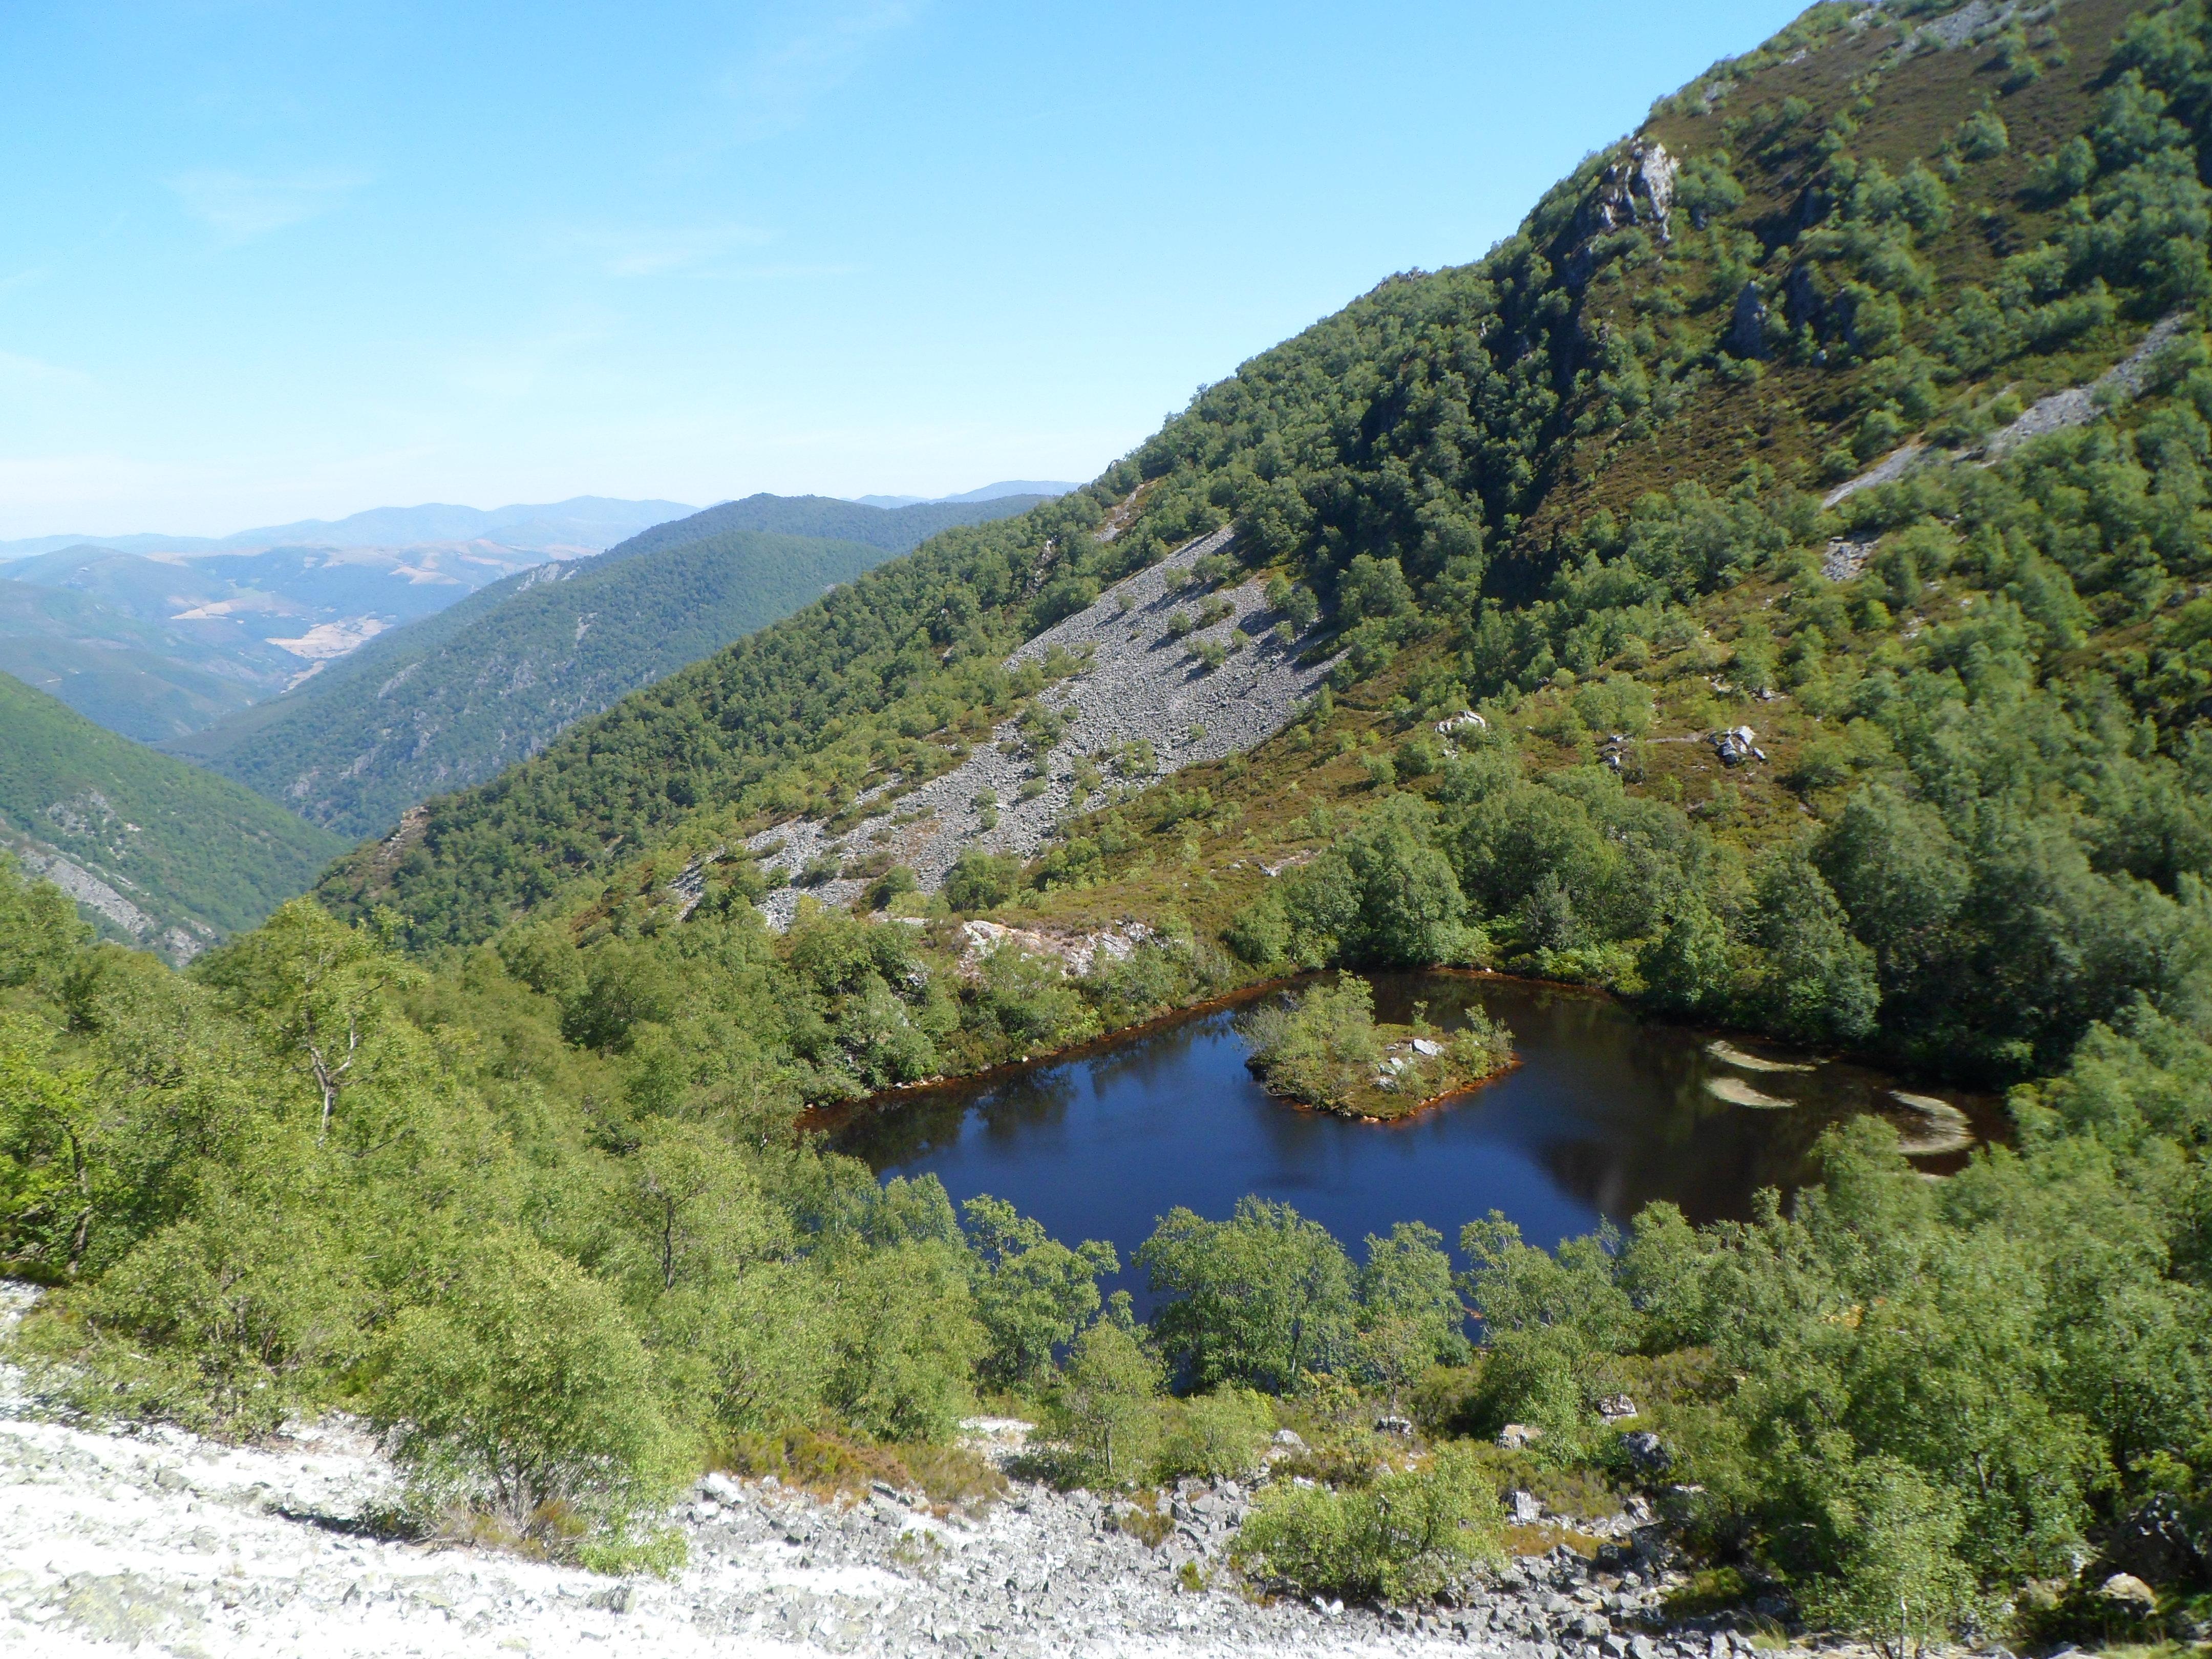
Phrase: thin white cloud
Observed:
(19, 373)
(524, 365)
(240, 207)
(774, 89)
(659, 251)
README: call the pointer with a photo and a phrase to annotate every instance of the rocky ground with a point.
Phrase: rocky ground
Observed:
(2074, 406)
(1142, 683)
(165, 1543)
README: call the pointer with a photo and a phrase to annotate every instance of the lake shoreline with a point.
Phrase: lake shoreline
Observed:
(834, 1115)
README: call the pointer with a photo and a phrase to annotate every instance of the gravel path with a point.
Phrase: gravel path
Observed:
(1142, 684)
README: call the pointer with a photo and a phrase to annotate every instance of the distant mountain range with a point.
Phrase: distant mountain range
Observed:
(158, 636)
(987, 493)
(581, 523)
(450, 699)
(156, 646)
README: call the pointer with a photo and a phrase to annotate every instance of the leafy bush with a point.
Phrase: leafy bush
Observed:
(980, 880)
(1213, 1436)
(1407, 1535)
(523, 1389)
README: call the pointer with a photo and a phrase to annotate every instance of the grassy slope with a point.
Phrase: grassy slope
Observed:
(178, 842)
(1785, 420)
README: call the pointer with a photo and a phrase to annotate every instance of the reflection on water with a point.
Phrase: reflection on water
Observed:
(1605, 1114)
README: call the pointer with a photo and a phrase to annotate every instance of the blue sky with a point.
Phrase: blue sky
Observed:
(264, 261)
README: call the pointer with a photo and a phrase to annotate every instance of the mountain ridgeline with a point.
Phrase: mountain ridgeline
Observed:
(452, 699)
(1862, 398)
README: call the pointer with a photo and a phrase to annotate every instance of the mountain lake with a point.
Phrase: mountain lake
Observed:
(1605, 1112)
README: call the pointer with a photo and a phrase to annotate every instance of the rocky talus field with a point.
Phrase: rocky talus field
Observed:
(160, 1543)
(1142, 683)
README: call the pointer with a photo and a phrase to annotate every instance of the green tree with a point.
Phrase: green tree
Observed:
(1261, 1298)
(1689, 967)
(1032, 1292)
(691, 1210)
(1386, 895)
(1410, 1318)
(1819, 982)
(319, 993)
(1898, 1584)
(1108, 1401)
(907, 1339)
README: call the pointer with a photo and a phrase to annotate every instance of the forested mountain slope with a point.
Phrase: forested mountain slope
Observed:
(159, 853)
(1749, 427)
(455, 696)
(1599, 455)
(173, 679)
(894, 530)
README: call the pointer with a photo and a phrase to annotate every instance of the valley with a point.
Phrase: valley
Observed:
(158, 636)
(757, 1141)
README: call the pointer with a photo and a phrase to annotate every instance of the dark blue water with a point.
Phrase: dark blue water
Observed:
(1606, 1113)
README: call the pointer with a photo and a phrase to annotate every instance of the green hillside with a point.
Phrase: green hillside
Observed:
(190, 854)
(1578, 483)
(894, 530)
(147, 678)
(551, 1223)
(143, 695)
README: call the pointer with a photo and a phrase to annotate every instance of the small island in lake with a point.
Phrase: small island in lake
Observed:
(1323, 1048)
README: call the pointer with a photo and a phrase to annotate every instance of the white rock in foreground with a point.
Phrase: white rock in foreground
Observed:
(164, 1543)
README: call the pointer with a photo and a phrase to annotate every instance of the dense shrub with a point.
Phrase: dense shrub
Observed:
(1407, 1534)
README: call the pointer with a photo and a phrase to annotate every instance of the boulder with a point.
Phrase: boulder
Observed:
(1646, 1450)
(2125, 1590)
(1735, 746)
(1514, 1436)
(1746, 330)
